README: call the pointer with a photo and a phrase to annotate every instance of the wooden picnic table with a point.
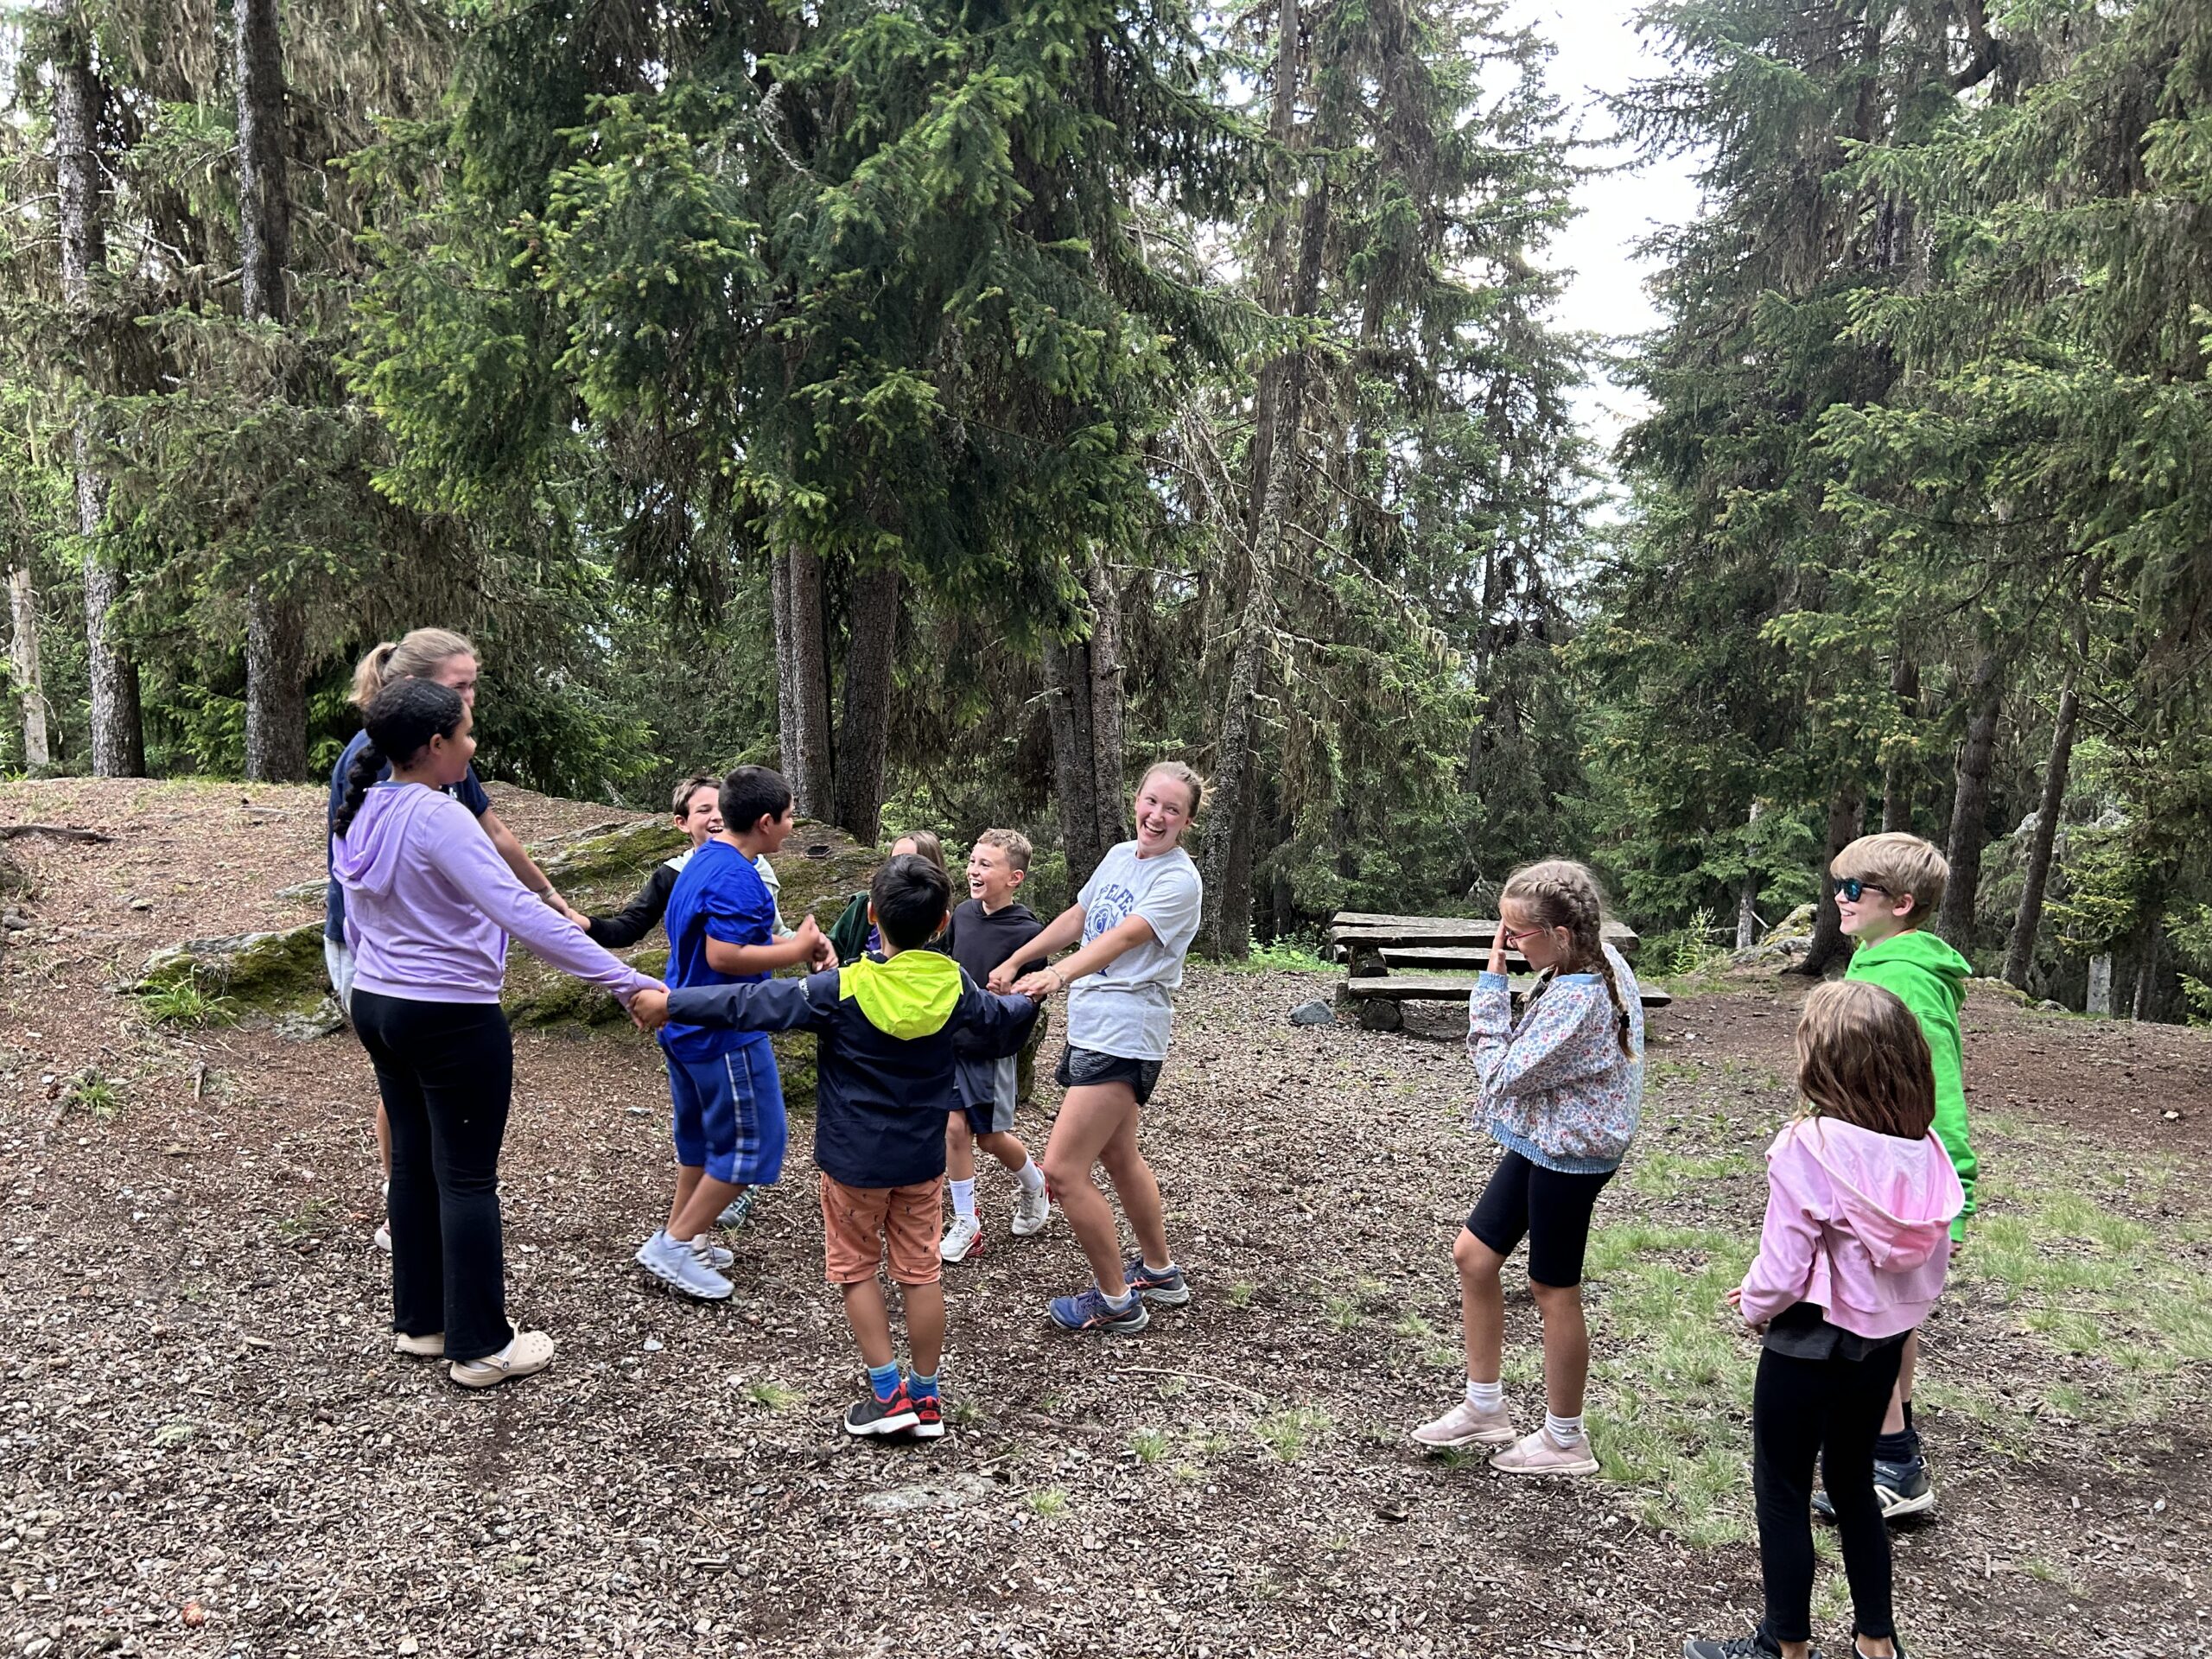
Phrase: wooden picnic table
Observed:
(1372, 945)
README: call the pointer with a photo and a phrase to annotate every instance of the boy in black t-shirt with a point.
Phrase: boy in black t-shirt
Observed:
(983, 933)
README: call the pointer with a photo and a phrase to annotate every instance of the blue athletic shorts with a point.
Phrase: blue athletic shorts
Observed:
(729, 1115)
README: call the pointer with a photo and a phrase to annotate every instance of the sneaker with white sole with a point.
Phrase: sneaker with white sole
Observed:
(737, 1211)
(1467, 1424)
(1031, 1211)
(1539, 1454)
(682, 1267)
(963, 1239)
(1164, 1286)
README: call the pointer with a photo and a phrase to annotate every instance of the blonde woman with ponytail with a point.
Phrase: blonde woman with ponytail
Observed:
(444, 659)
(1561, 1091)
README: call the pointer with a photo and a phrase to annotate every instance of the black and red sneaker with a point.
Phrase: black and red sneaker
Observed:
(874, 1416)
(929, 1417)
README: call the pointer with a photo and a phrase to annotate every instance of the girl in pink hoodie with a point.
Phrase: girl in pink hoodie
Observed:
(1860, 1196)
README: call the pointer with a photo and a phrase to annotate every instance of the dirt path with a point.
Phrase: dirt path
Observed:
(201, 1416)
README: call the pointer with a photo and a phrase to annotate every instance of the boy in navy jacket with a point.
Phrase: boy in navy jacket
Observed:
(889, 1034)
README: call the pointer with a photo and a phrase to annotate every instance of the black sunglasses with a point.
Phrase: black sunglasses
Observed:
(1851, 888)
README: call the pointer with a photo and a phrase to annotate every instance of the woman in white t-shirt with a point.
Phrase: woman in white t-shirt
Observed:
(1135, 918)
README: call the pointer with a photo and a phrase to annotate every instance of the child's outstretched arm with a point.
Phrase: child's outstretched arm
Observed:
(1064, 929)
(800, 945)
(1561, 1038)
(761, 1004)
(991, 1026)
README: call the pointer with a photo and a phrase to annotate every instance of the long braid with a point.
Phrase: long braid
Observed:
(360, 778)
(1567, 895)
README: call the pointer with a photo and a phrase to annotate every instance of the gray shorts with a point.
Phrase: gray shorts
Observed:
(987, 1092)
(338, 962)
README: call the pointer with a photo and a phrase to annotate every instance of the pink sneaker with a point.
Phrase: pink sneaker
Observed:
(1463, 1425)
(1539, 1454)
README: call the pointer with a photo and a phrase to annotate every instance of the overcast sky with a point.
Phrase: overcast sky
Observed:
(1597, 52)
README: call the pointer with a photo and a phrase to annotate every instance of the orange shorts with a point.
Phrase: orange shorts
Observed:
(857, 1222)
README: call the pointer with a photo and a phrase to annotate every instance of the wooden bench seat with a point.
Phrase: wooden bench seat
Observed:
(1456, 988)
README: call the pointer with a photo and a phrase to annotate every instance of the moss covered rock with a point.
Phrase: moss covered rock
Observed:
(273, 973)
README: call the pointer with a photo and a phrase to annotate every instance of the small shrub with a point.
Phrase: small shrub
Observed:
(1150, 1445)
(182, 1002)
(91, 1092)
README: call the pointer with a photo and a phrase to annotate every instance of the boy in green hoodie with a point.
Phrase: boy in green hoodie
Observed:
(1887, 890)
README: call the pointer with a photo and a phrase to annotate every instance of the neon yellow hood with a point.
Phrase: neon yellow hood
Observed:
(911, 995)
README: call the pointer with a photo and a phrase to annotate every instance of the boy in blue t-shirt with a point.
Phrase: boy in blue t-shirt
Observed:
(728, 1103)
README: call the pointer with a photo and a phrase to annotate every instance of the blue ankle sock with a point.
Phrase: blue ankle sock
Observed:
(919, 1387)
(884, 1379)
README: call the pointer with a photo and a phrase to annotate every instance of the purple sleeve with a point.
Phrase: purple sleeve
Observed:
(464, 855)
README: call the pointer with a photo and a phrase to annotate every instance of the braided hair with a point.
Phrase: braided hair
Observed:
(401, 719)
(1560, 893)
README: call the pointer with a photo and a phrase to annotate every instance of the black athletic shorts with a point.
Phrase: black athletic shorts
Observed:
(1082, 1068)
(1551, 1210)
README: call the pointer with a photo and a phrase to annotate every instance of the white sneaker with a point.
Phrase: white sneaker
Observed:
(963, 1239)
(717, 1257)
(683, 1268)
(1031, 1211)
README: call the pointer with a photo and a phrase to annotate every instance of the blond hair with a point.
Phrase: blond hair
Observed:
(1182, 774)
(1012, 842)
(679, 803)
(416, 656)
(1560, 893)
(1862, 1057)
(927, 844)
(1902, 866)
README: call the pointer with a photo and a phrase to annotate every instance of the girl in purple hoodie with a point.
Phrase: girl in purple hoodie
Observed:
(1861, 1197)
(430, 905)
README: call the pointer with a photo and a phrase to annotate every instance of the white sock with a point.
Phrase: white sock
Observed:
(1567, 1431)
(1486, 1396)
(1121, 1302)
(1031, 1177)
(963, 1198)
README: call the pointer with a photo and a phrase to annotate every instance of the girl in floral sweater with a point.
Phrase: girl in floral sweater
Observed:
(1561, 1092)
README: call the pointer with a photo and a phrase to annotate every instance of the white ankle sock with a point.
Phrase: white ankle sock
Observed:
(1031, 1177)
(963, 1198)
(1567, 1431)
(1486, 1396)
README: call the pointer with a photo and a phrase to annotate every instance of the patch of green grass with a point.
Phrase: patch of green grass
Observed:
(1240, 1294)
(91, 1092)
(316, 1218)
(175, 1432)
(1294, 955)
(1209, 1443)
(1150, 1445)
(967, 1412)
(1671, 1174)
(1289, 1434)
(1344, 1313)
(773, 1396)
(1658, 1074)
(1048, 1503)
(183, 1003)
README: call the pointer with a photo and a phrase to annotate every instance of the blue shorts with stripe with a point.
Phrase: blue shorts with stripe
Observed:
(729, 1115)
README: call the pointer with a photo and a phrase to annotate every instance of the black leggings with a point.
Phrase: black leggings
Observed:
(1831, 1409)
(446, 1071)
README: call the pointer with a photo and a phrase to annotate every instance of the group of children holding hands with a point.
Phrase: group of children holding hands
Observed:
(921, 1008)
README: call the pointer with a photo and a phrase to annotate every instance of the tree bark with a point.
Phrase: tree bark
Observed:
(2020, 958)
(1109, 786)
(1075, 775)
(275, 630)
(807, 765)
(864, 724)
(118, 734)
(1969, 800)
(1896, 774)
(22, 656)
(1747, 898)
(1828, 945)
(779, 611)
(2146, 1003)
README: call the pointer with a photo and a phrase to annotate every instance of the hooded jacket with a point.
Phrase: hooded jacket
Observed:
(889, 1033)
(1931, 978)
(430, 904)
(1555, 1087)
(1857, 1223)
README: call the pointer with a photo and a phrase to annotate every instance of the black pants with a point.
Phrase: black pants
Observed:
(446, 1071)
(1830, 1409)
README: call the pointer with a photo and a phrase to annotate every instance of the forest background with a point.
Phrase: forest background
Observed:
(956, 404)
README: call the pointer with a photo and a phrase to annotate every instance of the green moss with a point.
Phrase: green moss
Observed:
(610, 856)
(277, 973)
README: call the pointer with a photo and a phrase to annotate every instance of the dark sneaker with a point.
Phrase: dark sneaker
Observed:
(874, 1416)
(1903, 1488)
(929, 1417)
(1162, 1285)
(1089, 1311)
(1754, 1646)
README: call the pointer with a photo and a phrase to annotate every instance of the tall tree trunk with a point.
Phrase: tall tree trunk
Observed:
(807, 764)
(275, 626)
(1747, 897)
(1234, 925)
(1896, 772)
(1828, 945)
(1109, 786)
(1970, 800)
(2145, 1004)
(1075, 776)
(2020, 958)
(22, 656)
(779, 612)
(864, 726)
(118, 732)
